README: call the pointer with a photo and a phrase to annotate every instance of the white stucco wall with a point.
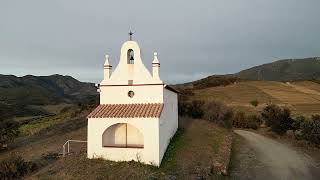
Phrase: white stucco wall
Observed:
(142, 94)
(149, 127)
(168, 121)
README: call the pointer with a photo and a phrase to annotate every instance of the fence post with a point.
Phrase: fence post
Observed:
(64, 150)
(68, 144)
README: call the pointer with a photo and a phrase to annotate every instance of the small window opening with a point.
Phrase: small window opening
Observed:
(131, 94)
(130, 56)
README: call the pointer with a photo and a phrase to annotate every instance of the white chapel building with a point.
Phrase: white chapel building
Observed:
(138, 113)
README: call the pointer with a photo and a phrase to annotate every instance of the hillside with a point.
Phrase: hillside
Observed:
(302, 97)
(20, 96)
(284, 70)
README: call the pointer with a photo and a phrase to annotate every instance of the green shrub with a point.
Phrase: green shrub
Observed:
(277, 118)
(9, 129)
(311, 129)
(254, 103)
(215, 80)
(192, 109)
(240, 120)
(185, 94)
(219, 113)
(253, 122)
(196, 109)
(15, 167)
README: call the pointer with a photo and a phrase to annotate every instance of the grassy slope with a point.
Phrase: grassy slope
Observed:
(190, 154)
(301, 97)
(47, 134)
(284, 70)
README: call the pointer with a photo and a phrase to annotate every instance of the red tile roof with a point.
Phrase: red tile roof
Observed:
(127, 110)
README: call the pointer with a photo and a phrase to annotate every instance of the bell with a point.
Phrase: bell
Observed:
(131, 58)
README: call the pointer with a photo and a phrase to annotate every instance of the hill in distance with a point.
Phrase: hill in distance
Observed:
(284, 70)
(18, 94)
(281, 70)
(266, 83)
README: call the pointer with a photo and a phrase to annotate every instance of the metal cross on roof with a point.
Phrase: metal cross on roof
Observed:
(130, 35)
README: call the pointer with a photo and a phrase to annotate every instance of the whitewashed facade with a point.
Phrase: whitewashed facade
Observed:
(138, 113)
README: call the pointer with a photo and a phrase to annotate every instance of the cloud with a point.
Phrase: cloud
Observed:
(193, 38)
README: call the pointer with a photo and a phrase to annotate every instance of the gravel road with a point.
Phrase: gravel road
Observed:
(259, 157)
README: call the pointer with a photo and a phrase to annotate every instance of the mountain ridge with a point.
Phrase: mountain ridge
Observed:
(17, 94)
(284, 70)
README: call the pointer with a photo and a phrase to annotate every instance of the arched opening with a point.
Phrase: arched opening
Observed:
(130, 56)
(122, 135)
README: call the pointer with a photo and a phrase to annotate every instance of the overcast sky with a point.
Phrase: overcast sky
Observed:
(193, 38)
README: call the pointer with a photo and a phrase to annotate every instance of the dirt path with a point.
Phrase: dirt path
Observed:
(259, 157)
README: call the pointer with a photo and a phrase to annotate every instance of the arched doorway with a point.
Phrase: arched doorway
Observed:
(122, 135)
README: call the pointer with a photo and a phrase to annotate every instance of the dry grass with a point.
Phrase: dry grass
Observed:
(302, 98)
(309, 84)
(190, 154)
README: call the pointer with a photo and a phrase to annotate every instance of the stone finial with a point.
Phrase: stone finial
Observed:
(107, 63)
(155, 58)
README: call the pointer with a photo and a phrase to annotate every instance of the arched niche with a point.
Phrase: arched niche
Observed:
(130, 56)
(122, 135)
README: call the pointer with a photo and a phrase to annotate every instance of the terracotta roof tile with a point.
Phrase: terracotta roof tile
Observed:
(127, 110)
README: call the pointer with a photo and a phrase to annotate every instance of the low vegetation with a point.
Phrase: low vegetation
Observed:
(214, 81)
(254, 103)
(213, 111)
(241, 120)
(218, 113)
(15, 167)
(307, 128)
(279, 119)
(9, 130)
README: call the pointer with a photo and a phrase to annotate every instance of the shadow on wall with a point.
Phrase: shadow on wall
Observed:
(122, 135)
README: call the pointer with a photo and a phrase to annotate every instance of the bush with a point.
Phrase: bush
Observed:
(254, 103)
(193, 109)
(240, 120)
(277, 118)
(15, 167)
(219, 113)
(9, 129)
(185, 94)
(215, 80)
(196, 109)
(253, 122)
(311, 129)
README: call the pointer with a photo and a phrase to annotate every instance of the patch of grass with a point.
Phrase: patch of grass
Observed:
(43, 123)
(216, 142)
(177, 143)
(234, 151)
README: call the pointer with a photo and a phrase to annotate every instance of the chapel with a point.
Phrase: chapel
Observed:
(138, 112)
